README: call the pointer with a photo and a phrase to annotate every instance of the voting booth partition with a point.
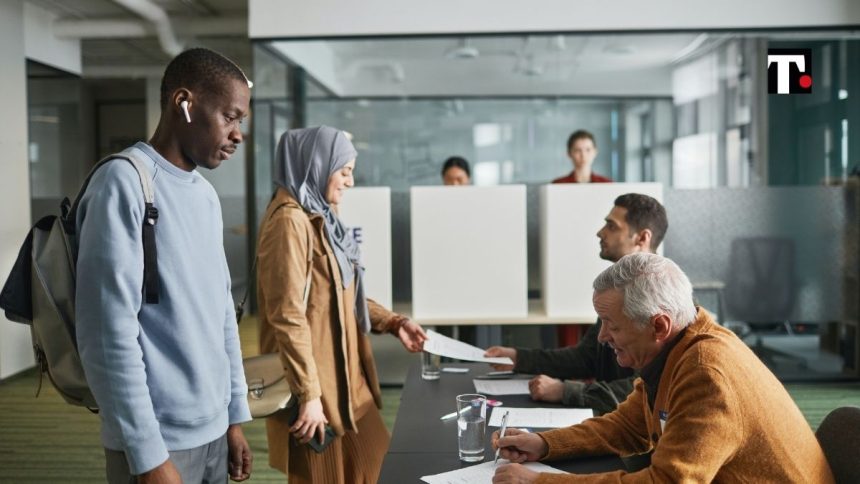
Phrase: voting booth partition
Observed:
(469, 247)
(571, 215)
(366, 211)
(469, 255)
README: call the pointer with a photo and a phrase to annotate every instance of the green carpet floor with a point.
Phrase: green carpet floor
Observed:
(44, 440)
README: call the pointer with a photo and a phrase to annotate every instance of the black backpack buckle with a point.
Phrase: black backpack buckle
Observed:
(151, 214)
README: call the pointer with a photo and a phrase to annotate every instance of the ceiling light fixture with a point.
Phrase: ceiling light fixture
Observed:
(690, 48)
(463, 50)
(619, 49)
(529, 66)
(533, 70)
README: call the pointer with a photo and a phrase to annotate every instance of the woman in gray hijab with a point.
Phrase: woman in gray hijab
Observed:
(313, 311)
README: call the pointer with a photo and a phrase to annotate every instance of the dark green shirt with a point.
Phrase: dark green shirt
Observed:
(587, 360)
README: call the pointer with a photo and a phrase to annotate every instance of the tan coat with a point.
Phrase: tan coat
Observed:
(719, 415)
(322, 349)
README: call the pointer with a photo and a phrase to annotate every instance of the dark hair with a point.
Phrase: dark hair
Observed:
(644, 212)
(578, 135)
(198, 69)
(458, 162)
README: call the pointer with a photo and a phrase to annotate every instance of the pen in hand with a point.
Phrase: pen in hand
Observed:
(501, 435)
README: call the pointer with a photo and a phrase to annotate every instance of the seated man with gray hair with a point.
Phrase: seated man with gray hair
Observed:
(705, 405)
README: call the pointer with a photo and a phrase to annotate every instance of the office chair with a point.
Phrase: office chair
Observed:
(839, 436)
(760, 290)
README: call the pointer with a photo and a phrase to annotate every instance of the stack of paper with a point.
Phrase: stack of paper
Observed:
(549, 418)
(502, 387)
(481, 473)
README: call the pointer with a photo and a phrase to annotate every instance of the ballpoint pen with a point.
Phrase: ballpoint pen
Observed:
(501, 435)
(490, 403)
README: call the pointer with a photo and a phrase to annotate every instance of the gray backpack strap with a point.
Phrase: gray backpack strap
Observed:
(143, 172)
(150, 218)
(150, 254)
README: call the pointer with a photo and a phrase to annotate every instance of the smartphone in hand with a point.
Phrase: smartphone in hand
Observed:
(329, 438)
(329, 435)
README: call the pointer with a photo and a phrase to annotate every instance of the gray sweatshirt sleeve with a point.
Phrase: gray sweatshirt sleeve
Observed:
(107, 300)
(237, 409)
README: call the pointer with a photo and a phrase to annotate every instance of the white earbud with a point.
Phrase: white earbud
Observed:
(184, 106)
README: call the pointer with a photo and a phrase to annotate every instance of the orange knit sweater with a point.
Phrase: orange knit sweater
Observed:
(725, 418)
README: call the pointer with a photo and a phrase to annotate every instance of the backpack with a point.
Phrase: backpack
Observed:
(40, 290)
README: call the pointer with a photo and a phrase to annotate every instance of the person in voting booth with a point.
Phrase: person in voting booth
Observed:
(636, 223)
(706, 406)
(455, 171)
(313, 311)
(582, 150)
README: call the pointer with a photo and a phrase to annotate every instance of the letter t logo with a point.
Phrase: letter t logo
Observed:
(782, 79)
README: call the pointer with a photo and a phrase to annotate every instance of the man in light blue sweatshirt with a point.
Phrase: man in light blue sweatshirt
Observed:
(167, 377)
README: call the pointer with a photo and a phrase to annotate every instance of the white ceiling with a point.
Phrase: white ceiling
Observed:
(503, 65)
(117, 42)
(567, 65)
(194, 22)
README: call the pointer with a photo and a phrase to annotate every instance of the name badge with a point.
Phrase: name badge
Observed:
(664, 415)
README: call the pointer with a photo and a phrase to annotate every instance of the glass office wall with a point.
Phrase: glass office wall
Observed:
(271, 110)
(403, 143)
(73, 123)
(716, 94)
(761, 189)
(55, 133)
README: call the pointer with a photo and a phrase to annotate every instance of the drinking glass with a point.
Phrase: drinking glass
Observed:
(430, 366)
(471, 423)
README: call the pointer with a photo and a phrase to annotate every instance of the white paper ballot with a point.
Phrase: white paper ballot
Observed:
(441, 345)
(541, 417)
(481, 473)
(518, 386)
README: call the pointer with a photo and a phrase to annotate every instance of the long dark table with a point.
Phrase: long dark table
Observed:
(421, 444)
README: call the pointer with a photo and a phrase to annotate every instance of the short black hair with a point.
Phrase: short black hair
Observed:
(456, 161)
(644, 212)
(199, 69)
(578, 135)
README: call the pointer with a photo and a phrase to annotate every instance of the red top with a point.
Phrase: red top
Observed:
(571, 178)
